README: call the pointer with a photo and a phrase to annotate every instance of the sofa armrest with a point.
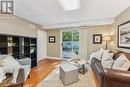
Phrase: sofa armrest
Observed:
(116, 78)
(118, 75)
(26, 61)
(21, 76)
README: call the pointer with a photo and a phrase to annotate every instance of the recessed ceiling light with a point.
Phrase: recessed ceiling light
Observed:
(68, 5)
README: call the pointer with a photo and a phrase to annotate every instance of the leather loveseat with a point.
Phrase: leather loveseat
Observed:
(109, 77)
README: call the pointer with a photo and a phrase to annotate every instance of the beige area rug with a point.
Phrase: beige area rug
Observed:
(53, 80)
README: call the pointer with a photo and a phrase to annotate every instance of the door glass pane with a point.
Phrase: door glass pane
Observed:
(75, 41)
(66, 44)
(70, 43)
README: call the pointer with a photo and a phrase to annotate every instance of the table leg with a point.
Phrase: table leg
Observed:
(83, 68)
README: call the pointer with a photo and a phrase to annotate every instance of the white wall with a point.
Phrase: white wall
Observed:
(53, 49)
(102, 29)
(83, 43)
(22, 27)
(122, 18)
(41, 44)
(17, 26)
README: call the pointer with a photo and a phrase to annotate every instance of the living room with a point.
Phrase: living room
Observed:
(49, 44)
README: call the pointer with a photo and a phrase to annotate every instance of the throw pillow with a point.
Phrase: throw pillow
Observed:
(3, 56)
(1, 63)
(107, 59)
(11, 65)
(121, 63)
(97, 54)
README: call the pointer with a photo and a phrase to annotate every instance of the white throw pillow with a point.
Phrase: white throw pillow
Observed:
(3, 56)
(12, 66)
(2, 75)
(121, 63)
(97, 54)
(107, 60)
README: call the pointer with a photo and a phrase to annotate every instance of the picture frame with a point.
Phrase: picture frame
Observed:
(51, 39)
(124, 35)
(97, 38)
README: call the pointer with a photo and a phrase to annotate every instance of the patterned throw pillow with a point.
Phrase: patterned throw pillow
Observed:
(121, 63)
(107, 59)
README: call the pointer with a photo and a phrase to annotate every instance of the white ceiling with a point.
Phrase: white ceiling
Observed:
(49, 14)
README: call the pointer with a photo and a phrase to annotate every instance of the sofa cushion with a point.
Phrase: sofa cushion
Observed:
(107, 59)
(97, 54)
(121, 63)
(3, 56)
(10, 65)
(1, 63)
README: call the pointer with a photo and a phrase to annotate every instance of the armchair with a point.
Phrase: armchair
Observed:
(26, 65)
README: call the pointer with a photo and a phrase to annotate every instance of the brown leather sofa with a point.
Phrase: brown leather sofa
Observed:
(110, 77)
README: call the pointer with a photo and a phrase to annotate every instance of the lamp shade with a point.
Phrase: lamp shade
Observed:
(107, 38)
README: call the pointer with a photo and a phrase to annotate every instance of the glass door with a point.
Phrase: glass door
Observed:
(70, 43)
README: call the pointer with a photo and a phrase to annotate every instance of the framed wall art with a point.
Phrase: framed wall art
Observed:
(97, 38)
(51, 39)
(124, 35)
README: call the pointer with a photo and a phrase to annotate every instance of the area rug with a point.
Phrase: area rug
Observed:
(53, 80)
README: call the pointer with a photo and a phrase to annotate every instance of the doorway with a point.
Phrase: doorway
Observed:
(70, 43)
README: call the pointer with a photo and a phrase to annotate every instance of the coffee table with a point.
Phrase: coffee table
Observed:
(79, 62)
(68, 73)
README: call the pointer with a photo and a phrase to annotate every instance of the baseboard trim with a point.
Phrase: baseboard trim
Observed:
(54, 58)
(62, 59)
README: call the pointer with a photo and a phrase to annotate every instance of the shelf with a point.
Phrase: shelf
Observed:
(15, 46)
(19, 47)
(34, 53)
(26, 46)
(3, 40)
(33, 46)
(3, 46)
(25, 53)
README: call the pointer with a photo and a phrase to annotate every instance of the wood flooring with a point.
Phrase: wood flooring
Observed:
(39, 72)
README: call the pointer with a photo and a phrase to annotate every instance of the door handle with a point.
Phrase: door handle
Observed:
(62, 44)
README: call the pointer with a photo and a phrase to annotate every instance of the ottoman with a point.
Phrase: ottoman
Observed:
(68, 73)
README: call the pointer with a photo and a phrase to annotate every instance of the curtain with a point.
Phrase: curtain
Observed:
(83, 43)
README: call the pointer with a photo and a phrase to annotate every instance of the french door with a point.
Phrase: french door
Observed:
(70, 43)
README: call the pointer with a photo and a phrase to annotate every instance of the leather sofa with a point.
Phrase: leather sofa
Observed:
(109, 77)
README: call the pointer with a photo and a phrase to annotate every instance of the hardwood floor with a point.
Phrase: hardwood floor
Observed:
(39, 72)
(96, 81)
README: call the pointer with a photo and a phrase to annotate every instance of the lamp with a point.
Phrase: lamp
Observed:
(107, 39)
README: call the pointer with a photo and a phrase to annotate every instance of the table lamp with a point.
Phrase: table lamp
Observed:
(107, 39)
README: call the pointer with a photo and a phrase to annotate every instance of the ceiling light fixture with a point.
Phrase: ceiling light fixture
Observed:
(68, 5)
